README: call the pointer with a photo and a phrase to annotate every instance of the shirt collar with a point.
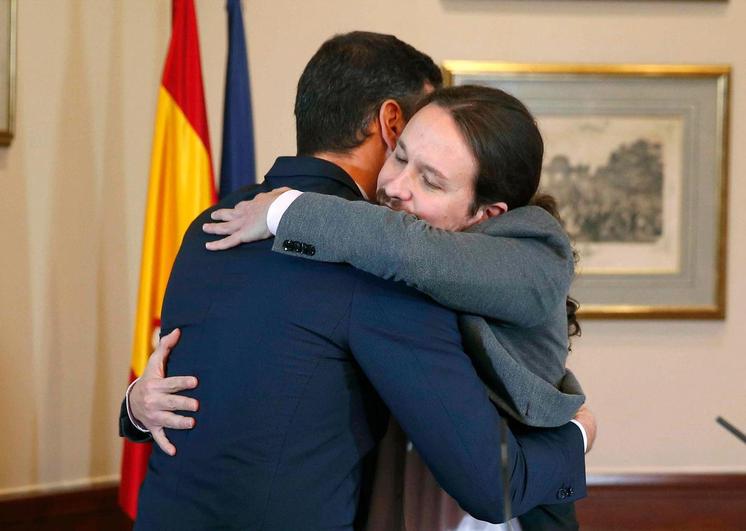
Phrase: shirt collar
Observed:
(312, 167)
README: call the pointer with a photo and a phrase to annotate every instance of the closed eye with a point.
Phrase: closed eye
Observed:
(430, 183)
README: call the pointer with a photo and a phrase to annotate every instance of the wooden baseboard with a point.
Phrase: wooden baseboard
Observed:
(78, 509)
(651, 502)
(663, 502)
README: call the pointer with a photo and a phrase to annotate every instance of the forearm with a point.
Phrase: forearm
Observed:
(557, 453)
(513, 279)
(442, 406)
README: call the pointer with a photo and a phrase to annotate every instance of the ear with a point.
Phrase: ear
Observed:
(494, 210)
(488, 211)
(391, 121)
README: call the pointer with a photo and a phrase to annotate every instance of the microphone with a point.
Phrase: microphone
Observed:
(738, 434)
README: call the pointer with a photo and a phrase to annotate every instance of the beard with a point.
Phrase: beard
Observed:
(382, 198)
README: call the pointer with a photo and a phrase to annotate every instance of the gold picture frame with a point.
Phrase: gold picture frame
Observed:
(8, 28)
(656, 245)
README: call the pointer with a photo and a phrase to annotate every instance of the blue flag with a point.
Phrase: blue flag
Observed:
(237, 158)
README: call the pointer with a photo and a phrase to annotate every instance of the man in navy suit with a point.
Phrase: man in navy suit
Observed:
(299, 363)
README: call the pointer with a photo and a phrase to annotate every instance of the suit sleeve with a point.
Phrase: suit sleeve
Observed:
(410, 350)
(128, 430)
(515, 268)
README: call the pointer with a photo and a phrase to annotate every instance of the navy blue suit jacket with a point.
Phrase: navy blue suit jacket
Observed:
(299, 363)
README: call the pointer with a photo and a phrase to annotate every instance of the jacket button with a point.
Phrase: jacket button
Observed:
(308, 249)
(570, 491)
(561, 494)
(292, 246)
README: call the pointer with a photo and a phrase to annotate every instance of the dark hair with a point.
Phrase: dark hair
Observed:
(347, 80)
(549, 203)
(504, 139)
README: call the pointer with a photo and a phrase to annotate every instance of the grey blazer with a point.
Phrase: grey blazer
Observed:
(509, 276)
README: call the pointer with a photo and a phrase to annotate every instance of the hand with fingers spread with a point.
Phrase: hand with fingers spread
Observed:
(244, 223)
(152, 400)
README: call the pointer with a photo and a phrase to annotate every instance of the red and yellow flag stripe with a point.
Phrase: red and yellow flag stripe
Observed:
(181, 186)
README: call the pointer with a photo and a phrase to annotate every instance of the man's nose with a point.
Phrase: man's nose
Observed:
(398, 188)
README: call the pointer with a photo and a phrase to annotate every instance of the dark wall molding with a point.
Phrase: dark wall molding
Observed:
(659, 502)
(676, 502)
(81, 509)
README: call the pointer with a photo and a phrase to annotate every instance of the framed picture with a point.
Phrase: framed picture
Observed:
(636, 156)
(7, 69)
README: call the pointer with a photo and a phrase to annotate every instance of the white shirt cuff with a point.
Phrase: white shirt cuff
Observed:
(129, 411)
(278, 207)
(582, 430)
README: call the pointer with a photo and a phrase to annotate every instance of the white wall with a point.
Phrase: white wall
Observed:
(74, 184)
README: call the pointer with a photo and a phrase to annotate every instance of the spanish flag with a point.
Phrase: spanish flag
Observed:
(181, 186)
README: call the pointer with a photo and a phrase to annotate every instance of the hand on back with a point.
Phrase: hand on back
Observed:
(244, 223)
(153, 401)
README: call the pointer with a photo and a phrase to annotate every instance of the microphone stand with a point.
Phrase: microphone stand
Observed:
(507, 511)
